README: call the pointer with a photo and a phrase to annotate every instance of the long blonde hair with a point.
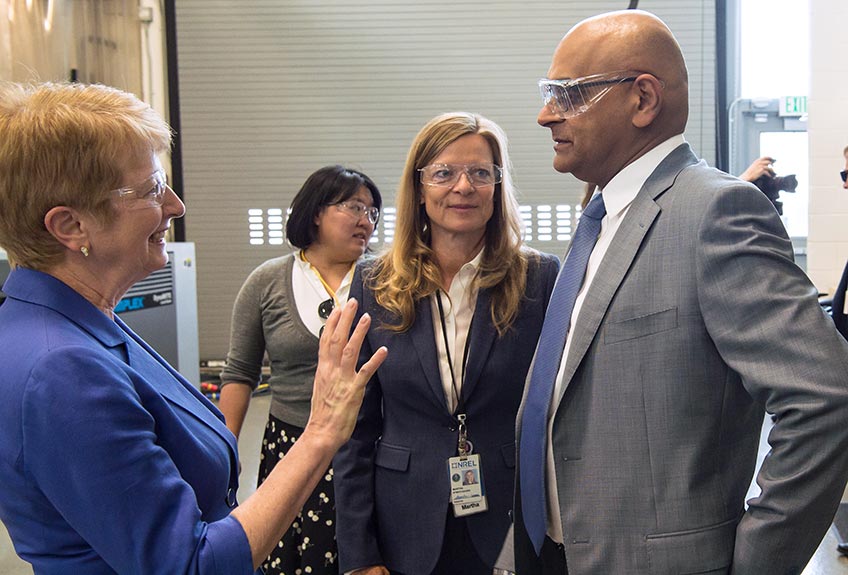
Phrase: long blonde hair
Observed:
(408, 271)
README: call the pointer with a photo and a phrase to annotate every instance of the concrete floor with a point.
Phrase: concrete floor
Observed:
(826, 561)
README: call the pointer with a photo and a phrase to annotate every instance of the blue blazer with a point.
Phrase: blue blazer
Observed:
(391, 481)
(110, 461)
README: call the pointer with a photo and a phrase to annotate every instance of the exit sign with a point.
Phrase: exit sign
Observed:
(793, 106)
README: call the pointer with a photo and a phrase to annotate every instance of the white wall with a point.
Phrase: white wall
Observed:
(827, 244)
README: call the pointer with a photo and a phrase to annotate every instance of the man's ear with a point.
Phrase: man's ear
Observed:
(67, 227)
(650, 91)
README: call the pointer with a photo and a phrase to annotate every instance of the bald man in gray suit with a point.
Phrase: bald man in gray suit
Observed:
(692, 322)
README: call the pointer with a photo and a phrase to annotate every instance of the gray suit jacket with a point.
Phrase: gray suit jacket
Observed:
(697, 321)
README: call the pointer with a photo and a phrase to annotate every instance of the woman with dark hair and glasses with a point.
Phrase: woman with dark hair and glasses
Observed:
(281, 310)
(460, 302)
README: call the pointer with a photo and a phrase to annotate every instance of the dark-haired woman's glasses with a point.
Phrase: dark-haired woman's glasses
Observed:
(356, 209)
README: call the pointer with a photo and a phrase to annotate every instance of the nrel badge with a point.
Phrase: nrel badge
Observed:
(792, 106)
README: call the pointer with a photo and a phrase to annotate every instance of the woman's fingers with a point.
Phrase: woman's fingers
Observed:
(337, 327)
(366, 372)
(335, 341)
(350, 354)
(339, 388)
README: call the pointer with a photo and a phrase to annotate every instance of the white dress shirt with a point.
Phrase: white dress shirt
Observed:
(458, 305)
(459, 310)
(618, 194)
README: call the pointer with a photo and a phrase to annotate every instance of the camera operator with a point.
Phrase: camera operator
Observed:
(758, 168)
(761, 173)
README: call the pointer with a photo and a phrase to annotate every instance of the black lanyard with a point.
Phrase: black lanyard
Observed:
(460, 402)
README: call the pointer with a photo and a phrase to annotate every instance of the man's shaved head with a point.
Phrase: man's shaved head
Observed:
(631, 118)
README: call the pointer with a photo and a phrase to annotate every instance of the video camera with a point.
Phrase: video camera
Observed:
(771, 186)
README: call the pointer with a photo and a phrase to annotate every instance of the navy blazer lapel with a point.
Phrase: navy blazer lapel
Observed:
(620, 255)
(481, 338)
(422, 333)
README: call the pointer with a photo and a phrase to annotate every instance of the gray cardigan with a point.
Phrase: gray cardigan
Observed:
(265, 319)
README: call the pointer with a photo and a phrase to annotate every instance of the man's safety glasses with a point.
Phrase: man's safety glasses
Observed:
(569, 98)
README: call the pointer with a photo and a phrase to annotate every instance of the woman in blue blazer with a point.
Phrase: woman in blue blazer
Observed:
(460, 303)
(110, 461)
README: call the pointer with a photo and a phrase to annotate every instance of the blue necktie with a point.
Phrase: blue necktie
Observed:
(534, 422)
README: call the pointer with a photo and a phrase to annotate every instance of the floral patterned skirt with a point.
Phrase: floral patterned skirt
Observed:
(309, 546)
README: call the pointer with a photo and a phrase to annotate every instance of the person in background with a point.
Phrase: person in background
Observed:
(762, 166)
(281, 310)
(838, 305)
(461, 301)
(639, 432)
(110, 461)
(840, 319)
(844, 173)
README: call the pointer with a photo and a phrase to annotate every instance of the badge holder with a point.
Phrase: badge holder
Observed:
(468, 495)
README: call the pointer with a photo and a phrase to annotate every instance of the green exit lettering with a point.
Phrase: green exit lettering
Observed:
(793, 106)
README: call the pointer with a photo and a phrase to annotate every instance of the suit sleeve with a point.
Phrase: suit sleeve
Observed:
(92, 448)
(762, 313)
(353, 469)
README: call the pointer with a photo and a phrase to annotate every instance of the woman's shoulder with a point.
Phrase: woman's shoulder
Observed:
(271, 269)
(366, 267)
(368, 261)
(540, 260)
(276, 264)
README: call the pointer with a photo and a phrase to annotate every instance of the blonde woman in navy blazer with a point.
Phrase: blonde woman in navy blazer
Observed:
(110, 461)
(455, 209)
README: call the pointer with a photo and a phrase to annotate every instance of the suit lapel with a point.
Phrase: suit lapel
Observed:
(619, 257)
(481, 338)
(43, 289)
(172, 385)
(423, 333)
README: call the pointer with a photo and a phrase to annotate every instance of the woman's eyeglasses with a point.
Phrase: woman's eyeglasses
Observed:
(357, 209)
(447, 175)
(149, 193)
